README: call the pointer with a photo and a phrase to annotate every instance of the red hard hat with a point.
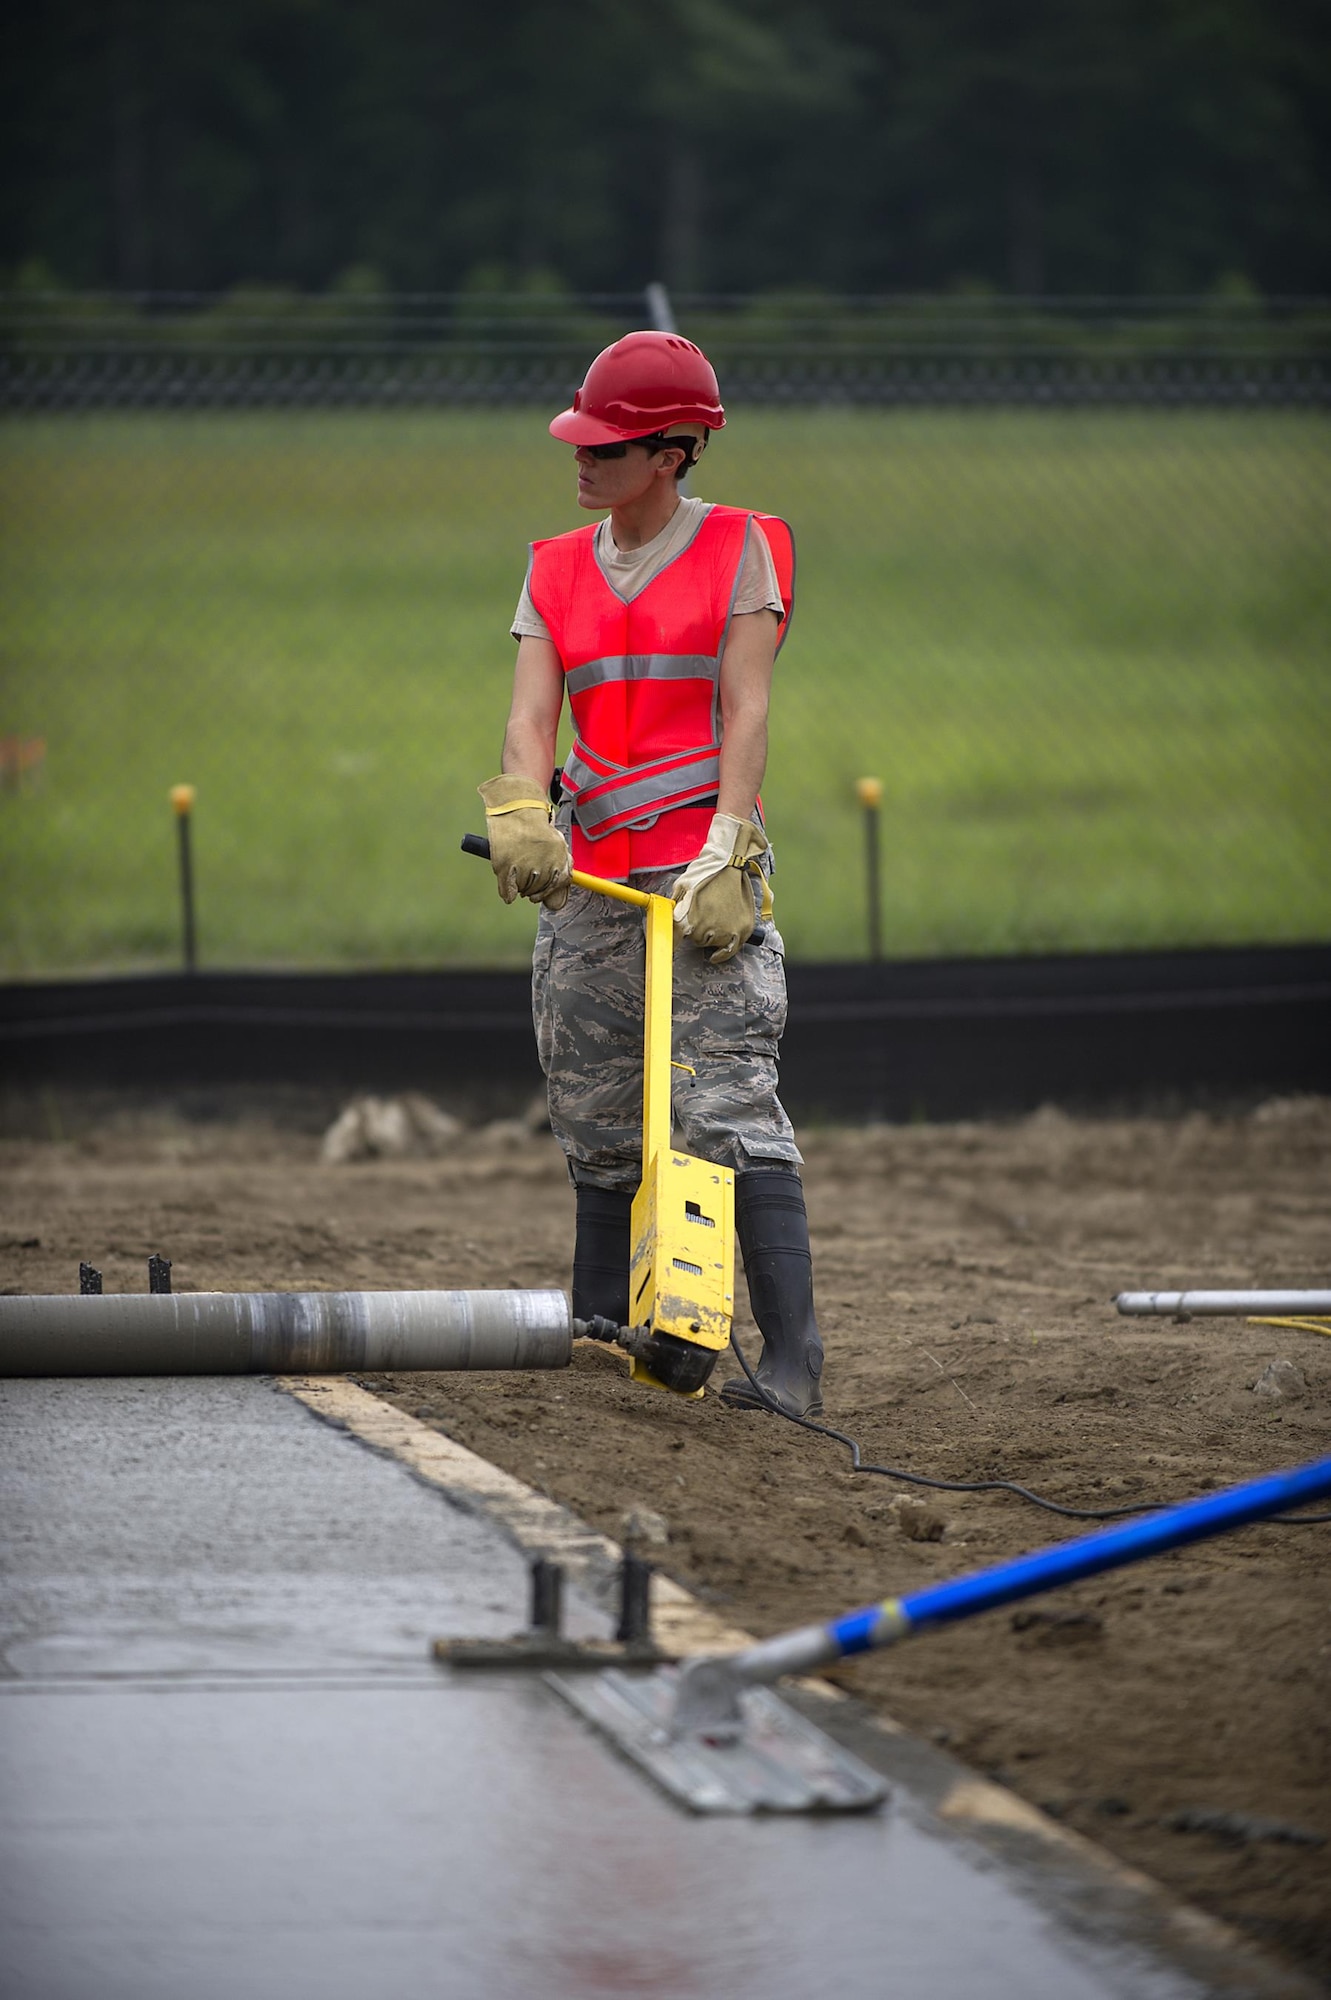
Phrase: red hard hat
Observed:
(640, 385)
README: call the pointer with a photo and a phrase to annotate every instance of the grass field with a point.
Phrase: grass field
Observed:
(1086, 653)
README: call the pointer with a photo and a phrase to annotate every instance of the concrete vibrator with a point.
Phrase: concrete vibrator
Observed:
(682, 1263)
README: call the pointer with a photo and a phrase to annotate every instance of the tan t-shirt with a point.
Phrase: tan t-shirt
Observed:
(631, 570)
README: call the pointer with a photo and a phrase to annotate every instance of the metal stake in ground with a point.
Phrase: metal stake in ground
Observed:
(182, 805)
(869, 792)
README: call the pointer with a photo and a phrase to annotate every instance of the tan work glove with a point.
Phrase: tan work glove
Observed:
(529, 856)
(714, 895)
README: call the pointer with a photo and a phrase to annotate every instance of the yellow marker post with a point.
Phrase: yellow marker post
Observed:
(182, 805)
(682, 1269)
(869, 792)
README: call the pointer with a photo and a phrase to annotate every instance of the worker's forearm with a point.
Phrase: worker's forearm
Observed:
(529, 751)
(743, 761)
(533, 718)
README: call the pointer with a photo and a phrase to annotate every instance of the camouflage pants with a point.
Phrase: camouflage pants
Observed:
(587, 1004)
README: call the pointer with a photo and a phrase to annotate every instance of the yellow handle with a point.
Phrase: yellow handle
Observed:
(660, 936)
(619, 890)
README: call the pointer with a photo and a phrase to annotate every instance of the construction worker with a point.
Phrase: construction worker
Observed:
(661, 625)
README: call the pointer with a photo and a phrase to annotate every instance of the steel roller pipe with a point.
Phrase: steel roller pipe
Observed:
(269, 1333)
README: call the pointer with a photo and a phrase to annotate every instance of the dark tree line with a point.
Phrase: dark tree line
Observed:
(1127, 146)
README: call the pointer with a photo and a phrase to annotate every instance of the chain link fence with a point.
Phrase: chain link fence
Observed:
(263, 348)
(1063, 587)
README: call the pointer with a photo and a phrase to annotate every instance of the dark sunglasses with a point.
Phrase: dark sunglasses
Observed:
(651, 444)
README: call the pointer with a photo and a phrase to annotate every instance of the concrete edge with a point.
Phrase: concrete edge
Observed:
(538, 1525)
(1083, 1884)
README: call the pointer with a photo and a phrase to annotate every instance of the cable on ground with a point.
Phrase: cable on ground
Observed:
(1299, 1325)
(978, 1485)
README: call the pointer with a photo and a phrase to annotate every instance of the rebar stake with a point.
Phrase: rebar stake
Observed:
(547, 1598)
(635, 1602)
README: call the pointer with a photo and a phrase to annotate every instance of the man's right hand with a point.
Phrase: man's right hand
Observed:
(529, 856)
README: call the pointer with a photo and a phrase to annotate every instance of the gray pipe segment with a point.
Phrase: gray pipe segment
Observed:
(265, 1333)
(1204, 1305)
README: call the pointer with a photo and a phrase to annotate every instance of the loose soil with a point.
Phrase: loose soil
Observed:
(1179, 1713)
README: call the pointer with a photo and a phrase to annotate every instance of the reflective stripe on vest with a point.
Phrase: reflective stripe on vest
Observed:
(607, 801)
(641, 667)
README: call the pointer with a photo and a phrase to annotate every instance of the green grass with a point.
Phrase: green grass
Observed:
(1086, 653)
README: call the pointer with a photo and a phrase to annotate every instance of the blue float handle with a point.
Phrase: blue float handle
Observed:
(1087, 1555)
(1048, 1569)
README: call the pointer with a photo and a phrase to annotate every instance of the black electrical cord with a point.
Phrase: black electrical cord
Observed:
(977, 1485)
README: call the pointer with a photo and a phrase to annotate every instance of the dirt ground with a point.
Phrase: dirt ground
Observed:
(1179, 1713)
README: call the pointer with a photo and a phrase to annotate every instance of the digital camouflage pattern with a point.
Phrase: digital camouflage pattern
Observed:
(587, 1004)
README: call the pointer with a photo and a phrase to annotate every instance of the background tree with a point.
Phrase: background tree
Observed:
(1114, 146)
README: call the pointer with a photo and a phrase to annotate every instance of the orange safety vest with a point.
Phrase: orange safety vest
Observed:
(644, 684)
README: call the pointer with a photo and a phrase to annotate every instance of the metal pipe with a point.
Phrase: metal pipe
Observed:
(875, 1625)
(661, 313)
(265, 1333)
(1207, 1305)
(659, 308)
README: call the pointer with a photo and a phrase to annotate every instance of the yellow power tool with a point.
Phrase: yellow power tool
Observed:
(682, 1264)
(682, 1267)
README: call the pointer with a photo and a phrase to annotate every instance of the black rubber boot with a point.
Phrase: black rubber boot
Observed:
(773, 1231)
(601, 1255)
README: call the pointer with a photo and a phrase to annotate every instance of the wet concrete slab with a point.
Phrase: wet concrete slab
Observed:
(229, 1767)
